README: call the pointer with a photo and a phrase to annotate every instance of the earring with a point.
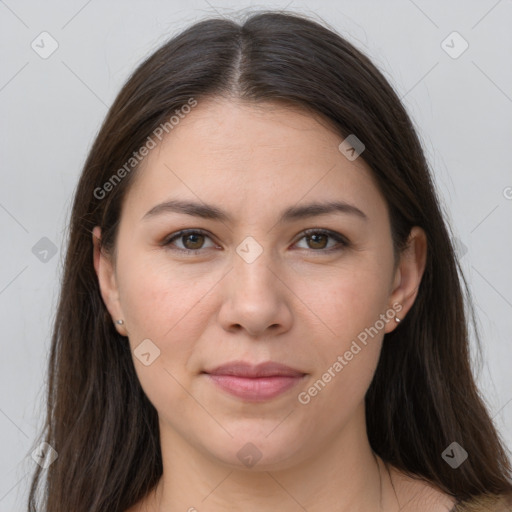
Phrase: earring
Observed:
(397, 320)
(119, 322)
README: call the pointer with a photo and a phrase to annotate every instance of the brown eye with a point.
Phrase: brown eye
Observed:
(195, 240)
(187, 241)
(318, 240)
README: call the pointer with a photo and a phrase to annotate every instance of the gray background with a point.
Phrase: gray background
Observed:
(51, 109)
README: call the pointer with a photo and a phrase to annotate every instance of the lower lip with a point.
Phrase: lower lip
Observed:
(256, 389)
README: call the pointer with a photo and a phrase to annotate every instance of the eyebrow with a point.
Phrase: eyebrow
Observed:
(207, 211)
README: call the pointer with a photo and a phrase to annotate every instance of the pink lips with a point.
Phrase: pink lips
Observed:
(255, 383)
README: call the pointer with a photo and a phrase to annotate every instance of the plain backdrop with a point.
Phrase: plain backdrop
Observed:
(459, 98)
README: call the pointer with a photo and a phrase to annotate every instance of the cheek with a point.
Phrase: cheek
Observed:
(349, 305)
(173, 325)
(166, 306)
(348, 301)
(159, 299)
(344, 363)
(332, 397)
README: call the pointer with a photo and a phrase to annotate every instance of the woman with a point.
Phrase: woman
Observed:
(261, 307)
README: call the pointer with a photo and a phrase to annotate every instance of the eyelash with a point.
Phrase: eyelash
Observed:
(308, 232)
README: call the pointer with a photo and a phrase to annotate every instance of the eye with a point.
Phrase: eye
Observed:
(318, 240)
(191, 239)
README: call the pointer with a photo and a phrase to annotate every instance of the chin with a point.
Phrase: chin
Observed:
(258, 451)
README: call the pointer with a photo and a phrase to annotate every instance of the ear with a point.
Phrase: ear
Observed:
(107, 281)
(408, 275)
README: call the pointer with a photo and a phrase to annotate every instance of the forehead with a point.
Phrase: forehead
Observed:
(264, 155)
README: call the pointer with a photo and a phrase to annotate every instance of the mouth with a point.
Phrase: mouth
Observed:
(254, 383)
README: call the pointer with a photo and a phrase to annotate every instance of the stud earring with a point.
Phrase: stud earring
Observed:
(397, 320)
(119, 322)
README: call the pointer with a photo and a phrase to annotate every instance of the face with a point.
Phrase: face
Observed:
(257, 277)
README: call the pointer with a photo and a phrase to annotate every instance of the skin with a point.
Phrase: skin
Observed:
(295, 304)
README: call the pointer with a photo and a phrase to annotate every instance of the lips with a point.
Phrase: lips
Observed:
(254, 382)
(267, 369)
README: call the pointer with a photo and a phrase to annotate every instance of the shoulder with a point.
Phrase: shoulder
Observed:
(486, 503)
(415, 494)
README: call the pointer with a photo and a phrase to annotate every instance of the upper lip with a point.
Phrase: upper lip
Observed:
(266, 369)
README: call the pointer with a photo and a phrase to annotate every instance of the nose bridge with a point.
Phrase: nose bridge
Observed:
(253, 267)
(255, 299)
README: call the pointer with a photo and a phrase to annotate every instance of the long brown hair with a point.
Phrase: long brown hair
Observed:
(423, 396)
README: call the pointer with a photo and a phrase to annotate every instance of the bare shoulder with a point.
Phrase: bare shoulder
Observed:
(417, 495)
(487, 503)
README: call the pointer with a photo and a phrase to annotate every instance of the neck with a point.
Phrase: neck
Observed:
(343, 475)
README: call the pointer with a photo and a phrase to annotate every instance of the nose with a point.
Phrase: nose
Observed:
(255, 299)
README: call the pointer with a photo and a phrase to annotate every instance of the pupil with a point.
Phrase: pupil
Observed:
(315, 239)
(192, 236)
